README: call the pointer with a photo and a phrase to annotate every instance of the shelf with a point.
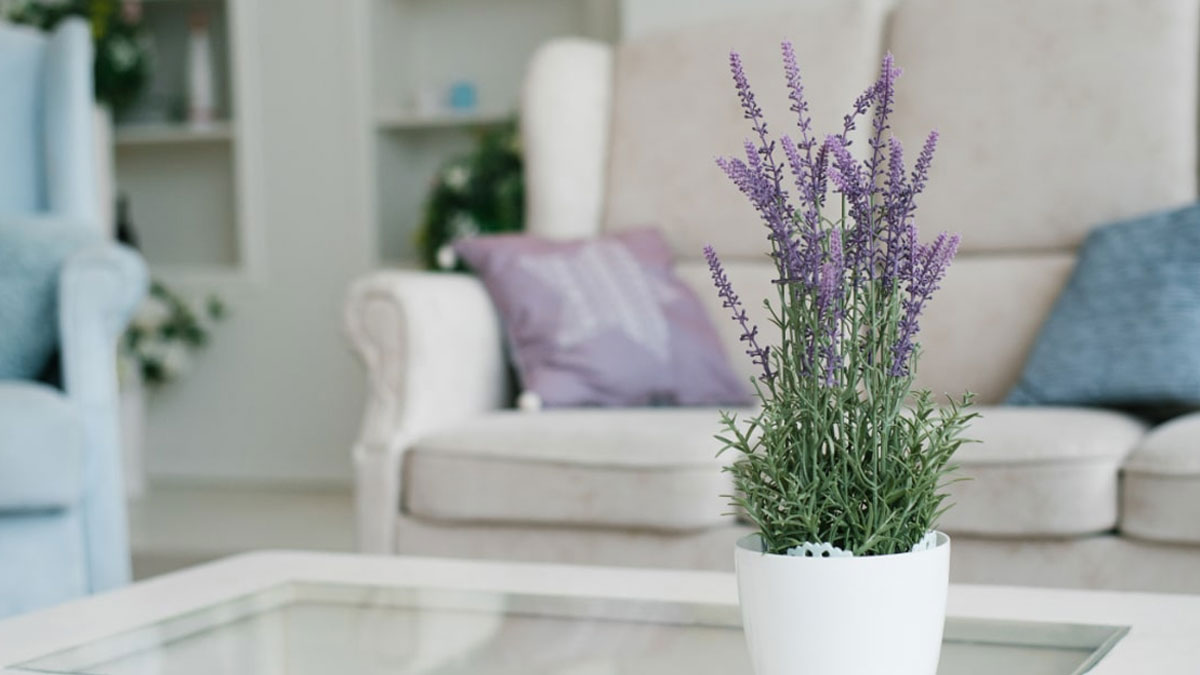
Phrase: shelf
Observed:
(172, 134)
(410, 121)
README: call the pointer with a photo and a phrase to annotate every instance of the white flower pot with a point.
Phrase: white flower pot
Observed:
(855, 615)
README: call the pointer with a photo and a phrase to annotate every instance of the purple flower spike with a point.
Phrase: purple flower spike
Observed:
(749, 106)
(761, 356)
(749, 177)
(752, 112)
(895, 179)
(796, 162)
(920, 172)
(830, 295)
(861, 105)
(820, 173)
(930, 264)
(761, 179)
(802, 171)
(829, 291)
(860, 259)
(810, 178)
(885, 97)
(896, 209)
(851, 180)
(796, 96)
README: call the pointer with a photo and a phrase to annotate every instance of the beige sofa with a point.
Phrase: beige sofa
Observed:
(1055, 116)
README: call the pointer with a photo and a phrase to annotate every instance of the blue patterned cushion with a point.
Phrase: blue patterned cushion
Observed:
(1126, 329)
(32, 252)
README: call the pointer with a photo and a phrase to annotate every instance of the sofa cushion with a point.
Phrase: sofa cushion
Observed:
(1034, 471)
(988, 305)
(603, 321)
(1040, 472)
(33, 250)
(1160, 493)
(1021, 90)
(41, 448)
(1133, 304)
(633, 468)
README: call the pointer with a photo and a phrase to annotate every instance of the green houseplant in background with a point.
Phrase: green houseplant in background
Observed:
(842, 470)
(122, 61)
(481, 192)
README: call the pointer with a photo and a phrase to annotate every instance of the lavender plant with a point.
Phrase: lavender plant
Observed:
(843, 450)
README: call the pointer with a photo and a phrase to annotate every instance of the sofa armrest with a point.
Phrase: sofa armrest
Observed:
(432, 347)
(98, 290)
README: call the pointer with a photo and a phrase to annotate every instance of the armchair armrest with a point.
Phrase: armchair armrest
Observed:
(432, 347)
(99, 288)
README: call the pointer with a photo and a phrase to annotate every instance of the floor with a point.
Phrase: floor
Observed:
(176, 525)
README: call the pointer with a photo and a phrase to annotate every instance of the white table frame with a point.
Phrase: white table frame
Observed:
(1164, 635)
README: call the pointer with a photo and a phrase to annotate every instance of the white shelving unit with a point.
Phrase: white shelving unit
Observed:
(187, 184)
(169, 134)
(420, 48)
(403, 120)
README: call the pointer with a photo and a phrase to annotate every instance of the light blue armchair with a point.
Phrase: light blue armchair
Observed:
(63, 528)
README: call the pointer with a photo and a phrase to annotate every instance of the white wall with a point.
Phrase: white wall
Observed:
(277, 396)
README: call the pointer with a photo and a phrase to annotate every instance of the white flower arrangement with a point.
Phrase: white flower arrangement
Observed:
(164, 332)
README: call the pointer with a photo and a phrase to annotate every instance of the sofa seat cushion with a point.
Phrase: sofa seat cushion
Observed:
(41, 448)
(1160, 493)
(650, 468)
(1040, 471)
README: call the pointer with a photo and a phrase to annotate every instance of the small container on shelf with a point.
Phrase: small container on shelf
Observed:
(428, 102)
(200, 88)
(464, 97)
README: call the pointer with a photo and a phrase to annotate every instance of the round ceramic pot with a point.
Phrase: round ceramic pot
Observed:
(854, 615)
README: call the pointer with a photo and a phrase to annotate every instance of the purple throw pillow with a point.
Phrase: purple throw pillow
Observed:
(603, 321)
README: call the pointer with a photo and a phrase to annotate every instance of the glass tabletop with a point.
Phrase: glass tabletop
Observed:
(310, 629)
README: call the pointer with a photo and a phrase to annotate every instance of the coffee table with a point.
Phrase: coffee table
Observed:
(286, 613)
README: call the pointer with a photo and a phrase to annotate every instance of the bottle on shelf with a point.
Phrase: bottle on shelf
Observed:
(201, 99)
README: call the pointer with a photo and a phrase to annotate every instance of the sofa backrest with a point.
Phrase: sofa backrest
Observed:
(47, 143)
(22, 56)
(1056, 116)
(674, 110)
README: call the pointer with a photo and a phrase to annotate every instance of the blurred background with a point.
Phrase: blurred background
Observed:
(262, 155)
(265, 154)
